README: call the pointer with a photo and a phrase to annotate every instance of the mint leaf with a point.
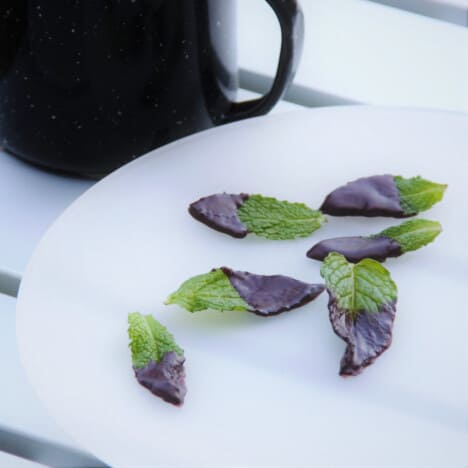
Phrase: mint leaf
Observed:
(418, 194)
(279, 220)
(362, 287)
(413, 234)
(226, 289)
(362, 309)
(149, 340)
(158, 362)
(212, 290)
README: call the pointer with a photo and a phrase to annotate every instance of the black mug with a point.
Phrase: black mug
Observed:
(88, 85)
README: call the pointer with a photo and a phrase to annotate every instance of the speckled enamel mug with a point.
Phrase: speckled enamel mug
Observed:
(88, 85)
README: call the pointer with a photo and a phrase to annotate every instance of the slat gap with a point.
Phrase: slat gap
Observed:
(9, 282)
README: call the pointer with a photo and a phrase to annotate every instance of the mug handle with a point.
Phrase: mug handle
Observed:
(291, 20)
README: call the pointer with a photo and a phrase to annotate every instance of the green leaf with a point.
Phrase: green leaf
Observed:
(212, 290)
(149, 340)
(418, 194)
(360, 287)
(279, 220)
(413, 234)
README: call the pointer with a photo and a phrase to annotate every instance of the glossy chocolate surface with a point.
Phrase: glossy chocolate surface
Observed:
(271, 295)
(86, 85)
(367, 336)
(165, 379)
(357, 248)
(369, 196)
(220, 213)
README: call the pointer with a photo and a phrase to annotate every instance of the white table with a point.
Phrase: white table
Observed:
(356, 51)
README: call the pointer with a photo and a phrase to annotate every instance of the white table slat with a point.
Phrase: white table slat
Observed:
(20, 408)
(10, 461)
(361, 51)
(31, 199)
(453, 11)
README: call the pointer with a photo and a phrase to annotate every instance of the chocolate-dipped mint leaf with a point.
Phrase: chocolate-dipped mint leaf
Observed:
(383, 195)
(238, 215)
(362, 299)
(279, 220)
(225, 289)
(158, 362)
(220, 213)
(392, 242)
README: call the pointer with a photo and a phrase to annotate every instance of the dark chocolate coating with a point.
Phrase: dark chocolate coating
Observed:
(367, 336)
(357, 248)
(220, 213)
(369, 196)
(166, 379)
(271, 295)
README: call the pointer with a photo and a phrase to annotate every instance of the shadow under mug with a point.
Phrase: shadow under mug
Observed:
(88, 85)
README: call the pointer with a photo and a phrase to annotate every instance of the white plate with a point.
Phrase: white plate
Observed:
(260, 391)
